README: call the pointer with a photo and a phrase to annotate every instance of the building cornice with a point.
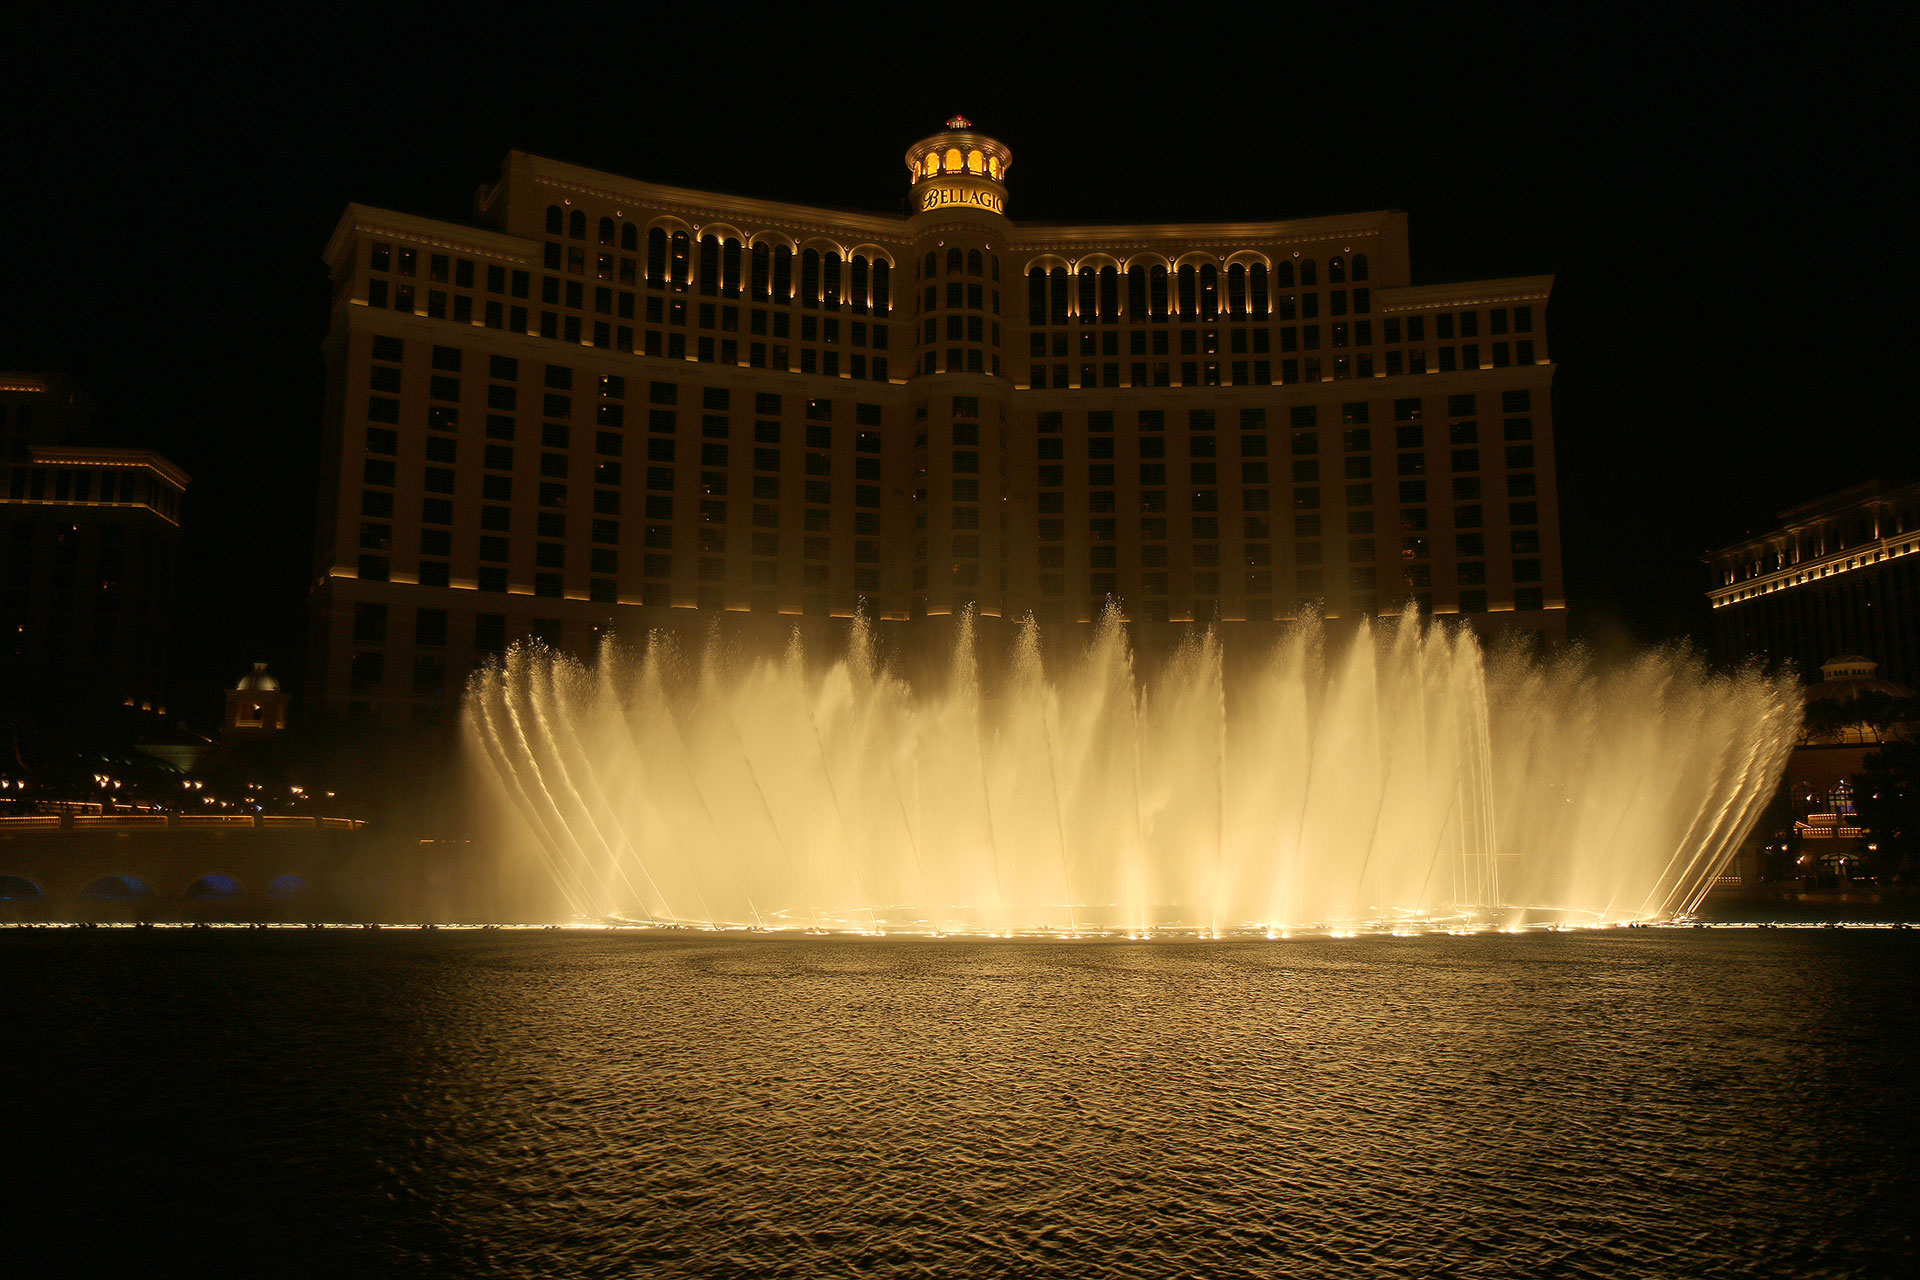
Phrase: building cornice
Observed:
(1864, 556)
(432, 233)
(1821, 513)
(1041, 237)
(1466, 293)
(100, 456)
(701, 207)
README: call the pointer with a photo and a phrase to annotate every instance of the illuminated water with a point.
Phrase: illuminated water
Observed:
(1613, 1104)
(1402, 780)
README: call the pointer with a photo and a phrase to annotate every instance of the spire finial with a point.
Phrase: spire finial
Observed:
(959, 122)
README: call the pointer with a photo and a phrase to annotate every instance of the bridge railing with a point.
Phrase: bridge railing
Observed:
(173, 821)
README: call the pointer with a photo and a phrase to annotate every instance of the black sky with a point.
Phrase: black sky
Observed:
(1716, 194)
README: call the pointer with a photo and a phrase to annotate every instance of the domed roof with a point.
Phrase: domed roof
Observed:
(257, 681)
(1847, 677)
(959, 152)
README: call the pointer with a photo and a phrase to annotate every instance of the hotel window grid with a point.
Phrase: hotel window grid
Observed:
(995, 454)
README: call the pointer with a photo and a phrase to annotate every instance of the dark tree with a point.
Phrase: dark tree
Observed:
(1887, 795)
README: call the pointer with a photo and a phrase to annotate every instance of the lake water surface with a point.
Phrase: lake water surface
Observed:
(1621, 1103)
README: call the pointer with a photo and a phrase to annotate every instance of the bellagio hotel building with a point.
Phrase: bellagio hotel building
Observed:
(606, 405)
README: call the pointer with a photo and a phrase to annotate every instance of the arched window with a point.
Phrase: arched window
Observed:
(993, 167)
(1058, 286)
(830, 281)
(1137, 292)
(629, 237)
(1283, 274)
(976, 163)
(996, 268)
(682, 259)
(1258, 288)
(932, 266)
(1157, 292)
(577, 225)
(709, 265)
(882, 273)
(782, 273)
(1110, 294)
(809, 277)
(1036, 297)
(730, 268)
(857, 282)
(1237, 291)
(1089, 294)
(931, 164)
(1189, 293)
(1359, 267)
(1336, 270)
(953, 261)
(657, 256)
(555, 221)
(1307, 273)
(953, 162)
(762, 272)
(606, 232)
(975, 263)
(1209, 291)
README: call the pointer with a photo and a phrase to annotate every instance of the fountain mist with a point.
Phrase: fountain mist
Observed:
(1404, 779)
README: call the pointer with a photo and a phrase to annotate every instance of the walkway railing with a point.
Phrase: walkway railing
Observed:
(173, 821)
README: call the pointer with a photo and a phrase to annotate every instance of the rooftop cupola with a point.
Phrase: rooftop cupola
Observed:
(959, 168)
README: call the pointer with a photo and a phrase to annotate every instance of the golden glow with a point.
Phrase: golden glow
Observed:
(962, 196)
(1859, 557)
(953, 164)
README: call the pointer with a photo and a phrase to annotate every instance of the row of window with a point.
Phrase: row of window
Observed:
(1205, 292)
(628, 236)
(1254, 418)
(1103, 586)
(1304, 471)
(1102, 533)
(1260, 373)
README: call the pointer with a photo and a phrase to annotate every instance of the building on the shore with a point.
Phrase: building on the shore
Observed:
(256, 707)
(89, 537)
(1840, 575)
(608, 404)
(1820, 836)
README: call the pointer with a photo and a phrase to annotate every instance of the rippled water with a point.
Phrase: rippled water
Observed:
(1617, 1104)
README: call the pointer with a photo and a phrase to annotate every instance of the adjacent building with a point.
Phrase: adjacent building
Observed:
(608, 404)
(1840, 575)
(89, 537)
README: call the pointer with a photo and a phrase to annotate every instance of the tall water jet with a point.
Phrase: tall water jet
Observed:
(1401, 779)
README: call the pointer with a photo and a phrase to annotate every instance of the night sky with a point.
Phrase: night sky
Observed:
(1717, 202)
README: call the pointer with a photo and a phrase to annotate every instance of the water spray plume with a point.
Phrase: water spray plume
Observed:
(1403, 780)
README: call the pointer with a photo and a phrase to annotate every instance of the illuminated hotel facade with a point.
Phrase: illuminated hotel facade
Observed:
(611, 405)
(1839, 576)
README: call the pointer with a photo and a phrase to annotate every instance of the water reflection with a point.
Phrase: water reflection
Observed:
(526, 1104)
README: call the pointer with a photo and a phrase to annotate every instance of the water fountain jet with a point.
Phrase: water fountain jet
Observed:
(1404, 781)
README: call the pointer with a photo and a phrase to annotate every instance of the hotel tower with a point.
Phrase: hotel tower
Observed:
(610, 406)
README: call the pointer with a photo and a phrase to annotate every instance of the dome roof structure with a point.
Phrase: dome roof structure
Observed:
(960, 152)
(1846, 678)
(257, 681)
